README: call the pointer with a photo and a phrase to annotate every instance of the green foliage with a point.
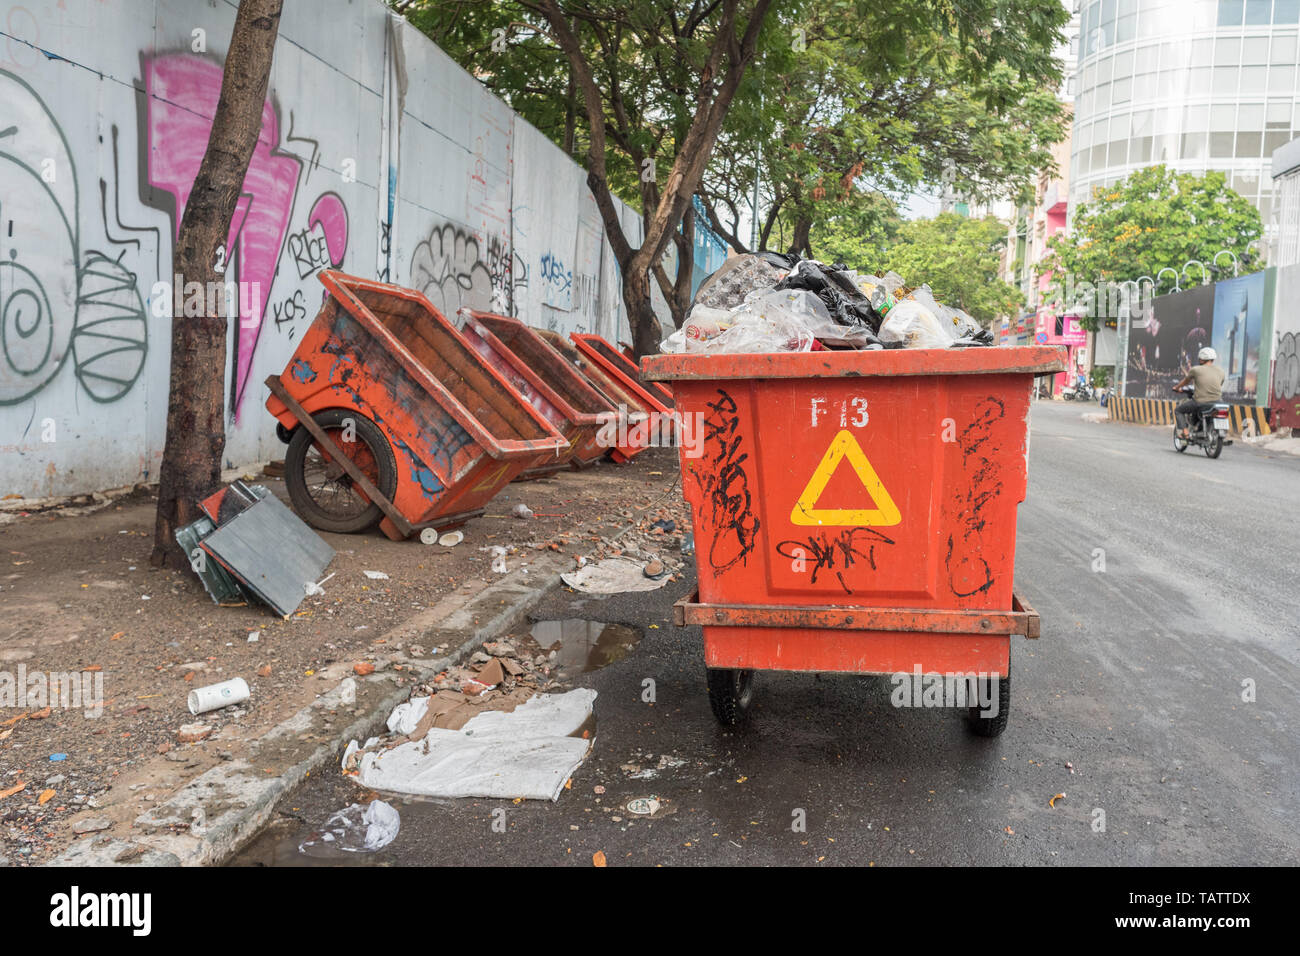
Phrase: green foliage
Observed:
(857, 233)
(1155, 219)
(959, 258)
(864, 101)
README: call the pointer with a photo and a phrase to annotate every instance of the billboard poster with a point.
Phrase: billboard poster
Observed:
(1238, 317)
(1163, 341)
(1286, 349)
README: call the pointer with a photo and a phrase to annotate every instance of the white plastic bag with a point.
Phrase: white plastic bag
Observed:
(767, 321)
(915, 326)
(956, 323)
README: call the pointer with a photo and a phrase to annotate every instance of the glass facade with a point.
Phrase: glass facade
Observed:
(1193, 84)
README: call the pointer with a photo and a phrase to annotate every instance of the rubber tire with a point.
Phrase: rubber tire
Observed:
(993, 726)
(730, 694)
(1180, 443)
(1215, 448)
(295, 460)
(284, 434)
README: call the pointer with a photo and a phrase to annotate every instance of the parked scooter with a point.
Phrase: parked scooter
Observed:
(1206, 429)
(1080, 391)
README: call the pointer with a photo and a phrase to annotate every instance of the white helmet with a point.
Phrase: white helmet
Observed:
(1207, 354)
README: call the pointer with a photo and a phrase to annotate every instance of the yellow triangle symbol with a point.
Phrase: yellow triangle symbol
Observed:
(842, 446)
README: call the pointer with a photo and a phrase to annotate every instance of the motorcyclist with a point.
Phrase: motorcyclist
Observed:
(1206, 380)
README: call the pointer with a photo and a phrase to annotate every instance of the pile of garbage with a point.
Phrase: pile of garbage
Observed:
(769, 302)
(484, 730)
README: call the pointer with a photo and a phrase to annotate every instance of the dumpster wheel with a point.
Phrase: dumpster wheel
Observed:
(320, 491)
(993, 726)
(730, 692)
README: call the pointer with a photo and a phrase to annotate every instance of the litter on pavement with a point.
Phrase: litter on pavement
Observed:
(528, 752)
(249, 545)
(616, 575)
(215, 696)
(355, 829)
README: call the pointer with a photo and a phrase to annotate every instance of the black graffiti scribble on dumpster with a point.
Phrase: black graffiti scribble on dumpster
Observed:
(850, 547)
(968, 572)
(725, 485)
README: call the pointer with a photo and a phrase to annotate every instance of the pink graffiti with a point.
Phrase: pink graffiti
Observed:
(332, 216)
(182, 96)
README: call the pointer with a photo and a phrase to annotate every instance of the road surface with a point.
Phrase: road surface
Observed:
(1137, 683)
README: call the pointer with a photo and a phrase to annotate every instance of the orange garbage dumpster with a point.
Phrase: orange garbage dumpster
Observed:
(391, 416)
(856, 512)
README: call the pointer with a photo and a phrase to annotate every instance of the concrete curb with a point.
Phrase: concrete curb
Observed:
(210, 818)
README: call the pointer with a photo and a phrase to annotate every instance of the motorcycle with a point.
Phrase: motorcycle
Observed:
(1206, 429)
(1079, 392)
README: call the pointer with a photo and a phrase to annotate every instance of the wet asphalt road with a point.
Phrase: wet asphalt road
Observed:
(1136, 682)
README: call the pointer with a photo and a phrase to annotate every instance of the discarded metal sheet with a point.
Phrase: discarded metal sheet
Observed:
(217, 581)
(272, 552)
(231, 500)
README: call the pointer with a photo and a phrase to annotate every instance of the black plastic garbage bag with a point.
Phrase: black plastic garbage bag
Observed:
(836, 289)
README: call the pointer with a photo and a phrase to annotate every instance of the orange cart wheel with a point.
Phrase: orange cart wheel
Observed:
(992, 726)
(321, 492)
(730, 692)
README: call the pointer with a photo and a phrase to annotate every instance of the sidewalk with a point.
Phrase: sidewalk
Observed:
(78, 597)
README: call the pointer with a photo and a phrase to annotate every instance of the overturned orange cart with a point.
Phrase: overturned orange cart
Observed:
(633, 411)
(654, 396)
(546, 381)
(391, 417)
(856, 512)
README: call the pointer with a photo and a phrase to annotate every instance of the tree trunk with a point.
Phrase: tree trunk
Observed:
(720, 77)
(677, 292)
(571, 105)
(646, 332)
(196, 435)
(800, 242)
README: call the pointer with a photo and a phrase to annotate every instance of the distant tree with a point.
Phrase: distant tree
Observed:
(881, 100)
(646, 84)
(960, 259)
(856, 231)
(1154, 219)
(887, 90)
(196, 427)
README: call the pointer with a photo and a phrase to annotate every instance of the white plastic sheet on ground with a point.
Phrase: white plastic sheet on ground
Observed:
(524, 753)
(612, 576)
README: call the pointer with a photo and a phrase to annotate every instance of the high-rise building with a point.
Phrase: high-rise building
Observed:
(1194, 84)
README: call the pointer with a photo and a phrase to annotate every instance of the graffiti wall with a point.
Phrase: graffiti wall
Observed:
(377, 155)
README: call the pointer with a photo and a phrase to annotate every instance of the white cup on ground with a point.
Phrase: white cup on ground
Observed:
(216, 696)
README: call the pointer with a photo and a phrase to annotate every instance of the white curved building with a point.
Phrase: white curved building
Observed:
(1193, 84)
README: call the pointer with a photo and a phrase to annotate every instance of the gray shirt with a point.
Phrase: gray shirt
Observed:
(1207, 382)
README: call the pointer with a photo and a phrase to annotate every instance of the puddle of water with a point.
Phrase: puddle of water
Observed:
(584, 646)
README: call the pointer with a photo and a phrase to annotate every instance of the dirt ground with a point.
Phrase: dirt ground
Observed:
(77, 594)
